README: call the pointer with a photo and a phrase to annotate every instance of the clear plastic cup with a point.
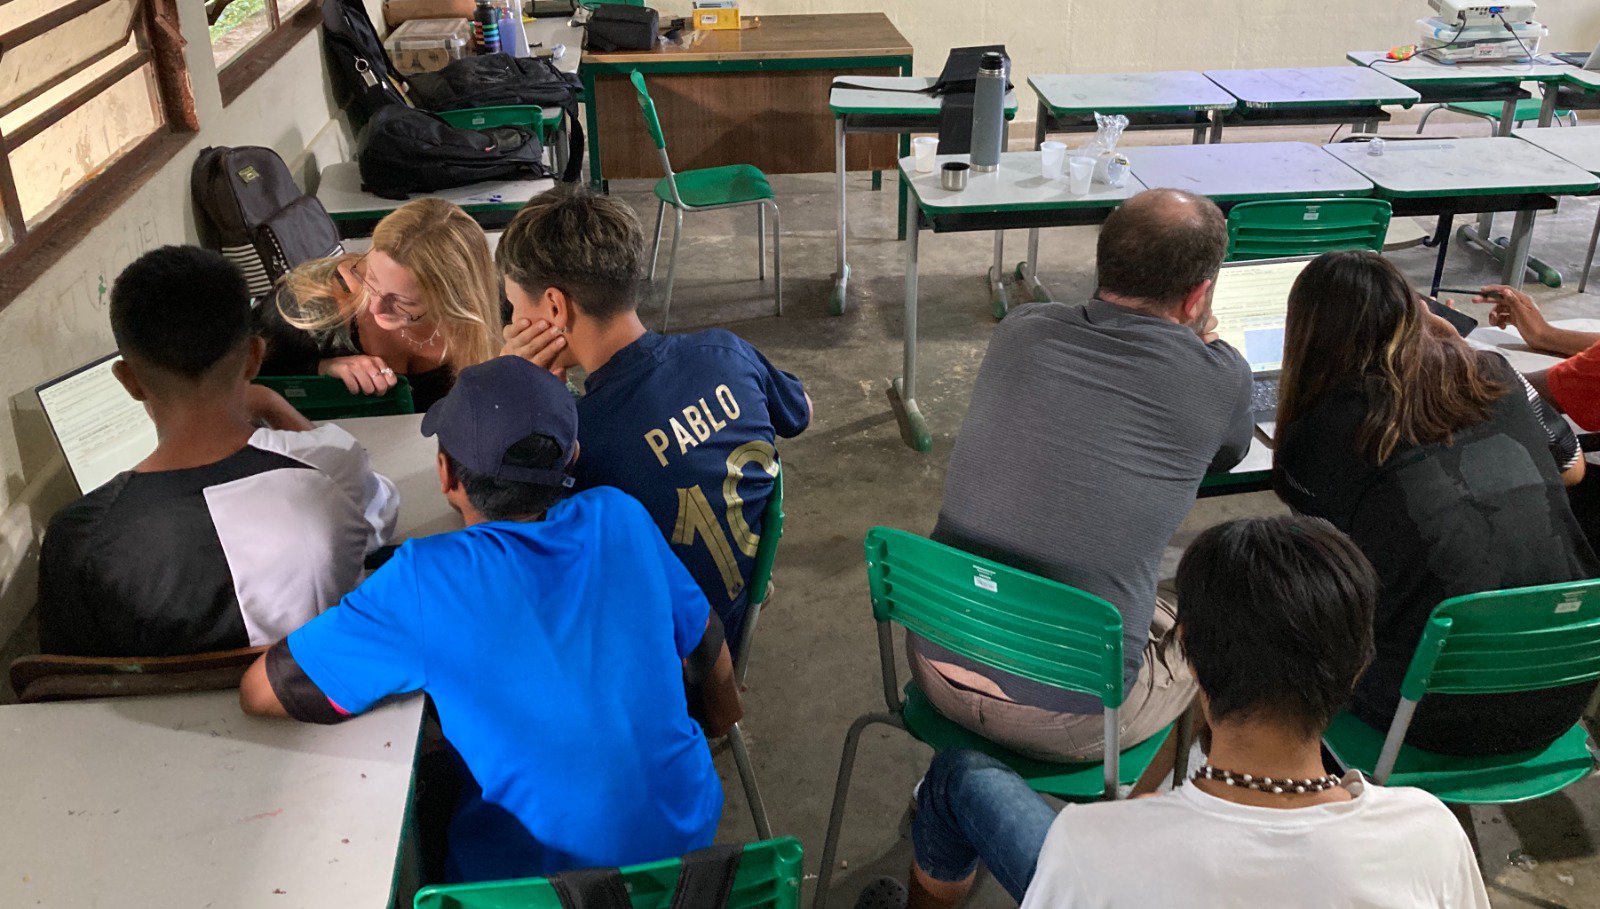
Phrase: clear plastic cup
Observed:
(926, 148)
(1080, 172)
(1053, 156)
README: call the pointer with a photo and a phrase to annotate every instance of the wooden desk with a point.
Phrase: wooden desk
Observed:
(754, 96)
(181, 800)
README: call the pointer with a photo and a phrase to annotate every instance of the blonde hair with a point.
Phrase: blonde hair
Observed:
(445, 250)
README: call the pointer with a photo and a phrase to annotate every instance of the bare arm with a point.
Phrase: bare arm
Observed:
(256, 696)
(269, 409)
(1515, 308)
(708, 678)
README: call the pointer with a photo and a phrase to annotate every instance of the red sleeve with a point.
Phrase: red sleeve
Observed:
(1575, 386)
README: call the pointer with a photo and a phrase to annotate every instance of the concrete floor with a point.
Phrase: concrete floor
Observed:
(815, 661)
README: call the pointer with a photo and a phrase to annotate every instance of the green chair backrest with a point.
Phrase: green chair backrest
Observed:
(326, 398)
(648, 106)
(1525, 639)
(767, 549)
(768, 878)
(1002, 617)
(525, 115)
(1305, 227)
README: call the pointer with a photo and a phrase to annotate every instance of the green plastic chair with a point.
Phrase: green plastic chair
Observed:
(708, 189)
(1304, 227)
(768, 878)
(1526, 639)
(760, 588)
(528, 115)
(1005, 618)
(1527, 109)
(326, 398)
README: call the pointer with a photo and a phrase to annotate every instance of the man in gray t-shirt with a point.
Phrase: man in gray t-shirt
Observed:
(1090, 428)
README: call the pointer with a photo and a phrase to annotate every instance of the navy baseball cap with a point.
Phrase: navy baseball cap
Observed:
(497, 404)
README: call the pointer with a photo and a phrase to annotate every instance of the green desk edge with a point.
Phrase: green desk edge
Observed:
(588, 70)
(1056, 111)
(1350, 56)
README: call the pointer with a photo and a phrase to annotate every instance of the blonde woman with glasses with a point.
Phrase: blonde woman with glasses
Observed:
(423, 302)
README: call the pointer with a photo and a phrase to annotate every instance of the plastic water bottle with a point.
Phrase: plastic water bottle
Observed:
(513, 34)
(988, 113)
(486, 28)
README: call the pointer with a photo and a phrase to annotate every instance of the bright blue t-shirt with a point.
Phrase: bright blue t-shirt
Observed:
(553, 651)
(686, 425)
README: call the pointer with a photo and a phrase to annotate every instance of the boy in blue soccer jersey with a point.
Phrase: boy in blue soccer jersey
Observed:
(554, 635)
(684, 423)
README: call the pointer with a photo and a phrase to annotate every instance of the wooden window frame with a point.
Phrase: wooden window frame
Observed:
(239, 73)
(160, 45)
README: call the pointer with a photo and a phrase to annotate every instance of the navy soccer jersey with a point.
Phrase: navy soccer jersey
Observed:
(686, 424)
(553, 651)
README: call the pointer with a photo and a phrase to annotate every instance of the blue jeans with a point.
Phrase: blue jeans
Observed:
(973, 807)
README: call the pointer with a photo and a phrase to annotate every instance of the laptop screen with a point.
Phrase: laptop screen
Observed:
(1250, 302)
(101, 430)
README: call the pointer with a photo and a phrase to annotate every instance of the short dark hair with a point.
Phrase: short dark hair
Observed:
(1161, 244)
(589, 246)
(180, 309)
(1276, 615)
(502, 500)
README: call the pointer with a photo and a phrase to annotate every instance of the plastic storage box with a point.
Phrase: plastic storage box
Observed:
(428, 45)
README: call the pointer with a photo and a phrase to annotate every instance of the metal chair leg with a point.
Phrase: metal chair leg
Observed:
(761, 242)
(747, 776)
(777, 259)
(655, 248)
(1588, 261)
(672, 267)
(841, 791)
(1423, 123)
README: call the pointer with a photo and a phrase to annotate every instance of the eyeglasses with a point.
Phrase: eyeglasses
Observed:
(393, 303)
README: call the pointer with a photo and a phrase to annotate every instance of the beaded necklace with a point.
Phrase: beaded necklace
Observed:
(1277, 786)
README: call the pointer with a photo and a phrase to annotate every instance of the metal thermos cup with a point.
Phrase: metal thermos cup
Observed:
(988, 113)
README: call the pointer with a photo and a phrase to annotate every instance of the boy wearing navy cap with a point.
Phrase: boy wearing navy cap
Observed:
(552, 634)
(684, 423)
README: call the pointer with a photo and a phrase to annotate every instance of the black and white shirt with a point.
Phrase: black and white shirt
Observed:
(234, 554)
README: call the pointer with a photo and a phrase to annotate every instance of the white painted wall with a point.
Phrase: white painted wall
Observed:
(60, 321)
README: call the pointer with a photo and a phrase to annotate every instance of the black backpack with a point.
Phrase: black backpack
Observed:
(619, 26)
(404, 151)
(252, 211)
(364, 78)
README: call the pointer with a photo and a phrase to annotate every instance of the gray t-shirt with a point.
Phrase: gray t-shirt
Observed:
(1090, 429)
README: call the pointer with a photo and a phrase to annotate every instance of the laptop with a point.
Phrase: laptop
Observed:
(100, 429)
(1251, 303)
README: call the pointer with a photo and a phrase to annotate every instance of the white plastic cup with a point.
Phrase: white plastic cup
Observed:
(1080, 172)
(1053, 155)
(926, 149)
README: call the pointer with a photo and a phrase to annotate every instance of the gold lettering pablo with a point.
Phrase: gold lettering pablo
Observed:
(657, 440)
(730, 405)
(697, 423)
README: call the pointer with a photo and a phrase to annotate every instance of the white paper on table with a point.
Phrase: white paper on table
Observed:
(1508, 342)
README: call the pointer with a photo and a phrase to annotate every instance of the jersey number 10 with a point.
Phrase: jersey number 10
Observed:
(696, 518)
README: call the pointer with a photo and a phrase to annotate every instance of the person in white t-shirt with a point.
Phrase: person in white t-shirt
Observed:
(1277, 625)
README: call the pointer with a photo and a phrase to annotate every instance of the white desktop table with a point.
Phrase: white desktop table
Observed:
(1309, 95)
(889, 104)
(1455, 176)
(182, 800)
(398, 450)
(1016, 195)
(490, 203)
(1579, 145)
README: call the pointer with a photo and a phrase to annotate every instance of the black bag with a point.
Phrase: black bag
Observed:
(618, 26)
(705, 881)
(404, 151)
(364, 78)
(960, 73)
(497, 80)
(252, 211)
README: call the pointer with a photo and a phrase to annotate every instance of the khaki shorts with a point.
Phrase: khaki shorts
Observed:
(1160, 694)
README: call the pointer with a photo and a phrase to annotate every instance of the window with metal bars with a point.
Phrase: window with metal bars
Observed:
(84, 84)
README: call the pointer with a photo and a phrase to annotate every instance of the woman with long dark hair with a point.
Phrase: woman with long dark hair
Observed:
(1443, 465)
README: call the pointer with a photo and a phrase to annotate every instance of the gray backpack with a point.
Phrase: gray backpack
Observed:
(251, 210)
